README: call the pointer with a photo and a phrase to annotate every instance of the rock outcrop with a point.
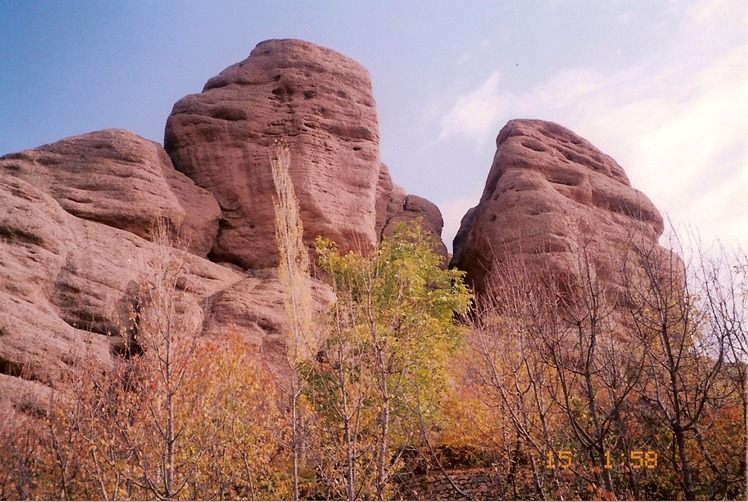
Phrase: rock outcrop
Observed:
(67, 284)
(122, 180)
(547, 191)
(76, 216)
(76, 219)
(321, 105)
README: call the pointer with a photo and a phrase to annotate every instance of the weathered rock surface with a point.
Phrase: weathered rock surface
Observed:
(394, 207)
(416, 209)
(321, 105)
(66, 286)
(122, 180)
(390, 199)
(254, 307)
(317, 101)
(547, 191)
(76, 215)
(66, 283)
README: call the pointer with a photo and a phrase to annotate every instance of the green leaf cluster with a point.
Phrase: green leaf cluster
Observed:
(382, 375)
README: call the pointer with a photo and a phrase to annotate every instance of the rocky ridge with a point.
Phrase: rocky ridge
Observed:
(76, 219)
(75, 225)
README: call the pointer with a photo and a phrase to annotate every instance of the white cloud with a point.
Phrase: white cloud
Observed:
(470, 54)
(474, 115)
(675, 121)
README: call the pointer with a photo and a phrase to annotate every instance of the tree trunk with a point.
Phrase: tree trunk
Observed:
(686, 476)
(349, 459)
(295, 439)
(382, 454)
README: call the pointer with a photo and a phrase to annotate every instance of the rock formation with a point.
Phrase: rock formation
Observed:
(76, 215)
(547, 191)
(317, 101)
(394, 207)
(76, 218)
(122, 180)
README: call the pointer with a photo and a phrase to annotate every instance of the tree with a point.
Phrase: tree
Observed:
(553, 358)
(293, 272)
(689, 316)
(723, 295)
(159, 436)
(507, 372)
(20, 450)
(240, 399)
(666, 318)
(385, 365)
(178, 416)
(652, 367)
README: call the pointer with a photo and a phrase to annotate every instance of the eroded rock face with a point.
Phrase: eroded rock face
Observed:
(255, 307)
(318, 102)
(119, 179)
(76, 215)
(394, 207)
(390, 199)
(321, 105)
(67, 284)
(549, 191)
(423, 212)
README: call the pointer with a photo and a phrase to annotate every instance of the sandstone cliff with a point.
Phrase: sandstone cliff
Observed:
(76, 215)
(321, 104)
(547, 192)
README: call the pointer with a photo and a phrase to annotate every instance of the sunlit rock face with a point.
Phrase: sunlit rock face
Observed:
(119, 179)
(67, 283)
(76, 215)
(320, 104)
(549, 192)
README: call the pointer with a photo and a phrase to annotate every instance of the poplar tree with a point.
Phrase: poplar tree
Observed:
(293, 271)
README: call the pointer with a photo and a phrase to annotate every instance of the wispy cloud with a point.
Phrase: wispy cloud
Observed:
(474, 114)
(469, 54)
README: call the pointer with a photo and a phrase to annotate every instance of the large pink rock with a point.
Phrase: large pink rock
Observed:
(76, 215)
(549, 191)
(67, 285)
(255, 308)
(317, 101)
(122, 180)
(320, 104)
(394, 207)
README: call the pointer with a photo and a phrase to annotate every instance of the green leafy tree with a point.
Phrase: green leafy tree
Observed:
(383, 370)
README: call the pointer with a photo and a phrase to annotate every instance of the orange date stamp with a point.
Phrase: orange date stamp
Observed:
(636, 459)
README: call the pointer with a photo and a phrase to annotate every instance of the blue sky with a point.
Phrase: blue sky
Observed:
(660, 85)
